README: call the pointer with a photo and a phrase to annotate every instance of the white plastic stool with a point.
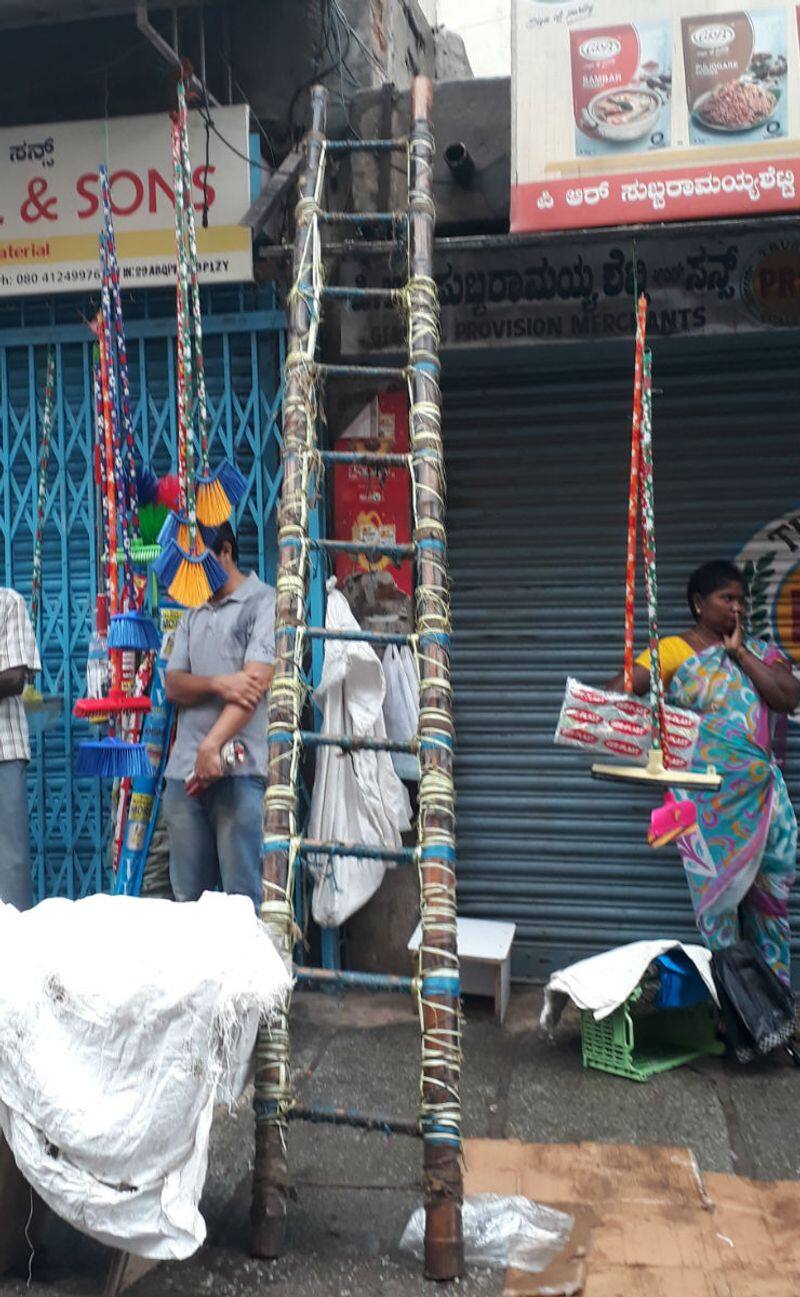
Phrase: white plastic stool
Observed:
(484, 952)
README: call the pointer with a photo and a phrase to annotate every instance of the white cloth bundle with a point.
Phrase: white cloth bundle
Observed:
(122, 1022)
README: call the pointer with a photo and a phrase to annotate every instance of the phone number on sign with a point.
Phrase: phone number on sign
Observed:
(90, 275)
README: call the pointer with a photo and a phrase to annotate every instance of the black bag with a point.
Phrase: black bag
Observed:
(757, 1009)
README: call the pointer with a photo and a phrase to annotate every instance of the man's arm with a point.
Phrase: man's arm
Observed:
(230, 721)
(188, 690)
(12, 682)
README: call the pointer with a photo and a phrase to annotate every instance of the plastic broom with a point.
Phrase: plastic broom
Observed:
(218, 491)
(190, 573)
(110, 757)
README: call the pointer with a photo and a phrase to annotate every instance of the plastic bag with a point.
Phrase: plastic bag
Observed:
(501, 1231)
(611, 723)
(758, 1010)
(401, 706)
(357, 797)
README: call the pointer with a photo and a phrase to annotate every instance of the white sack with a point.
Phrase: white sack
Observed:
(603, 982)
(357, 796)
(401, 705)
(122, 1022)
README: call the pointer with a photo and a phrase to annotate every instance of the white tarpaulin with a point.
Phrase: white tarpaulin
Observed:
(357, 796)
(122, 1022)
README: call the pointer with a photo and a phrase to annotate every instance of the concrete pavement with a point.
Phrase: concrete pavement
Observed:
(355, 1192)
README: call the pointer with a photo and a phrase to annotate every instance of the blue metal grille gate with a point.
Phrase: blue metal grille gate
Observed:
(244, 359)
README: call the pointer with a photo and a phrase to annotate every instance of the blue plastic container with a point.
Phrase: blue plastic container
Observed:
(681, 987)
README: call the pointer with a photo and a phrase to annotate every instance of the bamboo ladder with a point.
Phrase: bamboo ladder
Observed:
(436, 986)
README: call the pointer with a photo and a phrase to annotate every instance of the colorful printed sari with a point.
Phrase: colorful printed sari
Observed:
(741, 862)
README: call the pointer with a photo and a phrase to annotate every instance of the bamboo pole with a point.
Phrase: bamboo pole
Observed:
(440, 1115)
(273, 1097)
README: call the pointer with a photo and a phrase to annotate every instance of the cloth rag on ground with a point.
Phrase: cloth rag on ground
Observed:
(123, 1022)
(357, 797)
(603, 982)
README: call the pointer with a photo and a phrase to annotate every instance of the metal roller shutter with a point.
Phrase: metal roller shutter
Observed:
(537, 491)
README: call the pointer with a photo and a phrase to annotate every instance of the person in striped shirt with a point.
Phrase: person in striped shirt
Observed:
(19, 656)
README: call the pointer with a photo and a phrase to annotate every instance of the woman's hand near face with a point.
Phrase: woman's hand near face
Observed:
(734, 641)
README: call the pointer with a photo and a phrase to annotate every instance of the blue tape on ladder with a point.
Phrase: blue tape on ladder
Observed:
(435, 637)
(442, 984)
(291, 542)
(265, 1108)
(428, 542)
(425, 367)
(280, 736)
(434, 1133)
(439, 851)
(441, 741)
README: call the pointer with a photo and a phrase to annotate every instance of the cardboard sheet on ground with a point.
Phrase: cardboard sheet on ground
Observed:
(648, 1224)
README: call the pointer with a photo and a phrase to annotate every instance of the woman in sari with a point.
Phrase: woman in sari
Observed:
(740, 863)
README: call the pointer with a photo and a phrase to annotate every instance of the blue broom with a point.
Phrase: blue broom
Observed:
(134, 631)
(113, 759)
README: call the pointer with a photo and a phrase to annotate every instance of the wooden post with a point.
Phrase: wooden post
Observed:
(273, 1097)
(440, 1114)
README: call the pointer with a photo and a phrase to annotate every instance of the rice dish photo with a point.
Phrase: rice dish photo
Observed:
(738, 106)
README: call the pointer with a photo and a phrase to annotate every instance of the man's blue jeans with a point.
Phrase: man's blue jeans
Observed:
(215, 838)
(16, 886)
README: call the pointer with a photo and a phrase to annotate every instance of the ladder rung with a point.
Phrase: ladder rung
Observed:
(362, 371)
(359, 636)
(359, 851)
(366, 457)
(372, 551)
(355, 743)
(360, 146)
(363, 218)
(359, 1120)
(349, 291)
(309, 978)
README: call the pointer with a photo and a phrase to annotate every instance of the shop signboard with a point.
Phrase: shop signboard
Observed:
(51, 214)
(655, 111)
(516, 294)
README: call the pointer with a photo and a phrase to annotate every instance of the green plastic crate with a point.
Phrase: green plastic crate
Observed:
(642, 1046)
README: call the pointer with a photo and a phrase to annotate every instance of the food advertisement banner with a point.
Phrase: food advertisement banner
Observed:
(654, 111)
(51, 214)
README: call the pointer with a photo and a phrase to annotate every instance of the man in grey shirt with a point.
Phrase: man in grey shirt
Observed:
(219, 673)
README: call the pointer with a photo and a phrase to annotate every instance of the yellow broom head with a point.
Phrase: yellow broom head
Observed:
(218, 492)
(191, 579)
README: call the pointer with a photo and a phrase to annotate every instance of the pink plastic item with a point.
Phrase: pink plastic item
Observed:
(671, 821)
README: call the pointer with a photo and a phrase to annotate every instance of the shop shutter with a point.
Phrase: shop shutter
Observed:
(537, 468)
(244, 349)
